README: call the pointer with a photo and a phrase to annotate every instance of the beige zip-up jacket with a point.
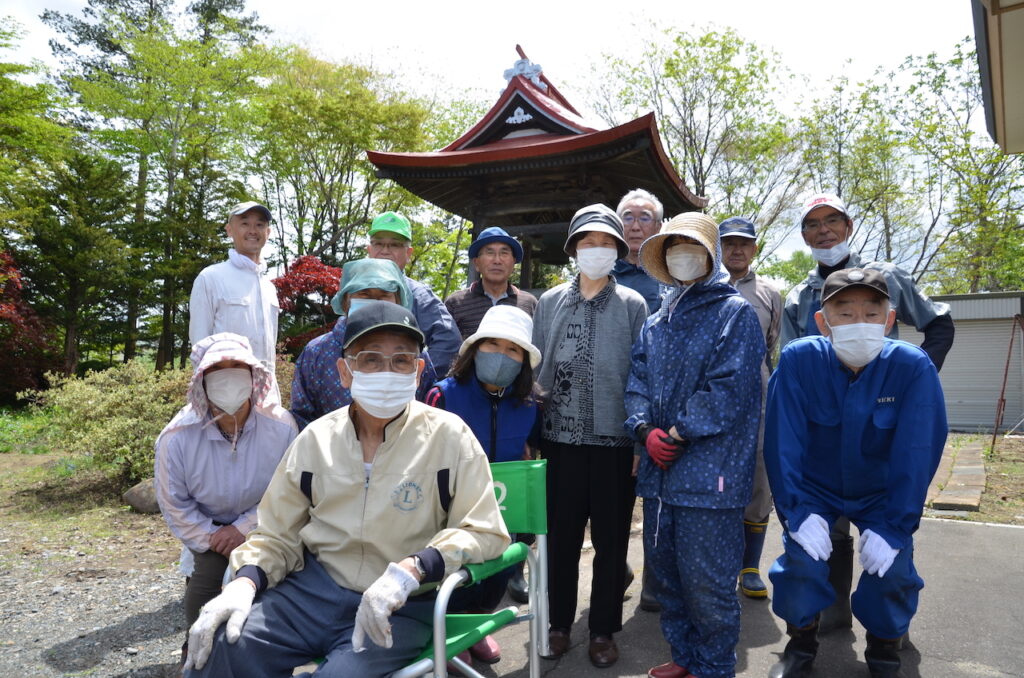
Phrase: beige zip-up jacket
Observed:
(430, 487)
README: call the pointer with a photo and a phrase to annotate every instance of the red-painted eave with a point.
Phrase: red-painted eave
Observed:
(538, 146)
(553, 108)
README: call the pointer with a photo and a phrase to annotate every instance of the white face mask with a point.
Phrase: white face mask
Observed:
(596, 262)
(383, 394)
(686, 262)
(833, 255)
(228, 388)
(857, 344)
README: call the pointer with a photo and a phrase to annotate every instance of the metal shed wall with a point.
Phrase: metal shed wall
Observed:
(973, 372)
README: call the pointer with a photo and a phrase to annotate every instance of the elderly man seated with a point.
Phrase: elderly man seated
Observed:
(370, 502)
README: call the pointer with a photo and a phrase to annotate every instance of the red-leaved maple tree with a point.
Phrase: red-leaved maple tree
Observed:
(26, 342)
(305, 292)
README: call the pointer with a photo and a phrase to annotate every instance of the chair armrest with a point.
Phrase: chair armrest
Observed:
(515, 553)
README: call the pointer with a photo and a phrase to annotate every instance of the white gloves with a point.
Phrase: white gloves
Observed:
(384, 596)
(813, 536)
(233, 604)
(875, 553)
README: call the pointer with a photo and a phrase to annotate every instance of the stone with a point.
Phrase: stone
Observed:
(142, 497)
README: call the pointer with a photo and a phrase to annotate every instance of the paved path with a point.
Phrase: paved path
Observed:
(960, 479)
(969, 624)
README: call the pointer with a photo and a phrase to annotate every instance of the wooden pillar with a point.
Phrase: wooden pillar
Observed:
(526, 266)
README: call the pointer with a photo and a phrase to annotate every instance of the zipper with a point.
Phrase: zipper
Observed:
(493, 454)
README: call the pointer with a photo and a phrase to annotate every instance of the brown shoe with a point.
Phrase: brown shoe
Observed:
(603, 651)
(558, 642)
(668, 670)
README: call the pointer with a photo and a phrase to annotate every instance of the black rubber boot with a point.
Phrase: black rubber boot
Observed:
(840, 576)
(799, 654)
(882, 657)
(518, 589)
(649, 591)
(751, 584)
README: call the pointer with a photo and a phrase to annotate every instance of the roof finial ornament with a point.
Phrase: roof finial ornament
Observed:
(528, 70)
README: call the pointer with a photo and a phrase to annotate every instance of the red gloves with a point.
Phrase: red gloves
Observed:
(662, 448)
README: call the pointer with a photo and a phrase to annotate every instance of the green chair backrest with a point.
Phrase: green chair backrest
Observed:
(521, 487)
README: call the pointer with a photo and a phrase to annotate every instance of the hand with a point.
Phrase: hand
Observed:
(384, 596)
(233, 604)
(662, 448)
(226, 539)
(875, 553)
(813, 536)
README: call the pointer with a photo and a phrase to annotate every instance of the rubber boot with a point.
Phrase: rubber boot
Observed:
(840, 576)
(518, 588)
(751, 584)
(882, 658)
(649, 591)
(799, 654)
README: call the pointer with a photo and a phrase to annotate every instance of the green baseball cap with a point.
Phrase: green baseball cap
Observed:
(392, 222)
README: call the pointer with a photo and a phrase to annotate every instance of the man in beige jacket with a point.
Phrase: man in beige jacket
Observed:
(370, 502)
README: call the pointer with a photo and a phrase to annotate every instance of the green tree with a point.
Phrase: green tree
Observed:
(714, 94)
(69, 226)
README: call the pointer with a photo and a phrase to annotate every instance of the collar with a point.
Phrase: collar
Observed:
(399, 421)
(478, 288)
(213, 431)
(749, 276)
(245, 263)
(600, 299)
(623, 266)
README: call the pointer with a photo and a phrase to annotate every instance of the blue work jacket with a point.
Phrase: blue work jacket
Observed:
(697, 366)
(501, 424)
(865, 446)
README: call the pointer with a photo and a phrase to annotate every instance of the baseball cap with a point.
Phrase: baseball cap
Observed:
(854, 277)
(495, 234)
(378, 315)
(392, 222)
(739, 226)
(822, 200)
(243, 207)
(600, 218)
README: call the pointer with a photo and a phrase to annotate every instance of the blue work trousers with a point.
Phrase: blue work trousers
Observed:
(884, 605)
(306, 616)
(696, 554)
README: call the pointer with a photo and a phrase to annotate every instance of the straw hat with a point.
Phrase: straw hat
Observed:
(700, 227)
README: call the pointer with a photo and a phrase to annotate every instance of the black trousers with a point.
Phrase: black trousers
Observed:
(204, 585)
(587, 482)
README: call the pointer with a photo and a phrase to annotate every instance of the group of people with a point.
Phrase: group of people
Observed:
(651, 373)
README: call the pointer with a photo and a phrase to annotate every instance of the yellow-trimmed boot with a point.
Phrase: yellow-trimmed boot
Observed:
(751, 584)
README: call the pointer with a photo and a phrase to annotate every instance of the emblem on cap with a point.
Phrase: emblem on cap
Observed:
(856, 276)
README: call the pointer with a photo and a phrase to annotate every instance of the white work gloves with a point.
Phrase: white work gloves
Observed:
(233, 604)
(875, 553)
(384, 596)
(813, 536)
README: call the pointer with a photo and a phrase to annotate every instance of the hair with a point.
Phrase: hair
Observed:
(522, 389)
(641, 194)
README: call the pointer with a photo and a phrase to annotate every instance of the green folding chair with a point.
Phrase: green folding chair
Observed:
(522, 495)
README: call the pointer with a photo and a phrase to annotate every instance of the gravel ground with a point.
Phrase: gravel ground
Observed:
(66, 612)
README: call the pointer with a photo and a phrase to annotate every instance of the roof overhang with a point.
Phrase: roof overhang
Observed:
(999, 36)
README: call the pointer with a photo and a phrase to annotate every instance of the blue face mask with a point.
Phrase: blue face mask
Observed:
(353, 304)
(496, 369)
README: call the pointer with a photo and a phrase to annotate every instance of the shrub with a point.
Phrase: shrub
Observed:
(113, 417)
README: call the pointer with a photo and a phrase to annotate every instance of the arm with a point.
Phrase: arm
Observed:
(790, 328)
(785, 440)
(938, 339)
(928, 317)
(638, 402)
(179, 508)
(732, 382)
(771, 339)
(438, 326)
(915, 453)
(475, 531)
(427, 378)
(201, 309)
(303, 407)
(274, 547)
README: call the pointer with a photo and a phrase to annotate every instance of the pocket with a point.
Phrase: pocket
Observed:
(237, 314)
(879, 432)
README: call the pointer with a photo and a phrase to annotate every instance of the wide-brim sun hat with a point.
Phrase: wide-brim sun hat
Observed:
(696, 225)
(506, 322)
(599, 218)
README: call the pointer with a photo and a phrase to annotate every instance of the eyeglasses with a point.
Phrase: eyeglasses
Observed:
(831, 222)
(375, 361)
(389, 244)
(644, 219)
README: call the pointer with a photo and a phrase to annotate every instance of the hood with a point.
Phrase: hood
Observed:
(224, 346)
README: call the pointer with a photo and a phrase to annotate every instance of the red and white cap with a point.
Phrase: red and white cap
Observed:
(822, 200)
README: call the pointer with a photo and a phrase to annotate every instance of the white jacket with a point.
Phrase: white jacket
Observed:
(236, 296)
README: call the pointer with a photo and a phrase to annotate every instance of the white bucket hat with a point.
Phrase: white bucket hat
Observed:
(506, 322)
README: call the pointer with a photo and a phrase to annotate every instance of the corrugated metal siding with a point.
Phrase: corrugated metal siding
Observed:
(976, 307)
(973, 373)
